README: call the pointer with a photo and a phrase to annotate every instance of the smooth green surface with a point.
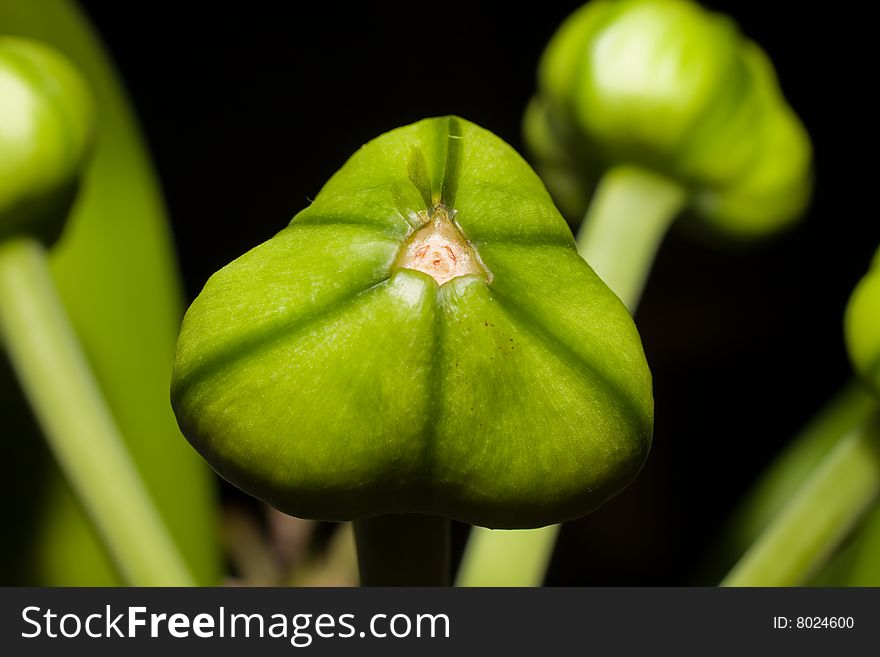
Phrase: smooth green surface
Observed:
(626, 222)
(76, 421)
(862, 327)
(667, 107)
(819, 515)
(115, 271)
(316, 375)
(672, 88)
(46, 126)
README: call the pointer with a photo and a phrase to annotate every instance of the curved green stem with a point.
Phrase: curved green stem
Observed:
(621, 233)
(76, 421)
(403, 550)
(116, 273)
(780, 481)
(819, 516)
(624, 226)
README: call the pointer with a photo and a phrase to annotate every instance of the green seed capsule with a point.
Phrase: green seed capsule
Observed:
(423, 338)
(46, 122)
(670, 87)
(862, 326)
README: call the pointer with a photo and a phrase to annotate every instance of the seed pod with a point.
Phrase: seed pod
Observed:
(423, 338)
(673, 88)
(862, 326)
(46, 125)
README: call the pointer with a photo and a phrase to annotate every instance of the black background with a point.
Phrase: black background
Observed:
(250, 106)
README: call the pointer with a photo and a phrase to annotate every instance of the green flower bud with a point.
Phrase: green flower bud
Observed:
(862, 326)
(46, 121)
(668, 86)
(423, 338)
(567, 172)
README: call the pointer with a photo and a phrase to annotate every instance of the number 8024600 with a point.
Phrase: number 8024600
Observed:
(824, 622)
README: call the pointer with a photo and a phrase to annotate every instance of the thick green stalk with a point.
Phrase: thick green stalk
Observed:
(403, 550)
(499, 557)
(621, 233)
(819, 516)
(624, 226)
(76, 421)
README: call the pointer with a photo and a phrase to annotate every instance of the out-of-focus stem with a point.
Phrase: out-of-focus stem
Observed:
(819, 516)
(865, 568)
(625, 225)
(852, 406)
(76, 421)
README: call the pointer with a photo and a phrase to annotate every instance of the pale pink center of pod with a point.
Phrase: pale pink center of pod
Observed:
(440, 250)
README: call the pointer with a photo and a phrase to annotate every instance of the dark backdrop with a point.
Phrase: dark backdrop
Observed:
(250, 106)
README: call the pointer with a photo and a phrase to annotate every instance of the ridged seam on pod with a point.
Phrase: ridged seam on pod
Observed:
(423, 338)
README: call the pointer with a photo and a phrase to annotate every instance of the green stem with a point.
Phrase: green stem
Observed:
(865, 568)
(499, 557)
(403, 550)
(624, 226)
(621, 233)
(780, 481)
(76, 421)
(818, 517)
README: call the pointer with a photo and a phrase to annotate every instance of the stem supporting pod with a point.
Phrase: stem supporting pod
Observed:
(624, 226)
(76, 421)
(403, 550)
